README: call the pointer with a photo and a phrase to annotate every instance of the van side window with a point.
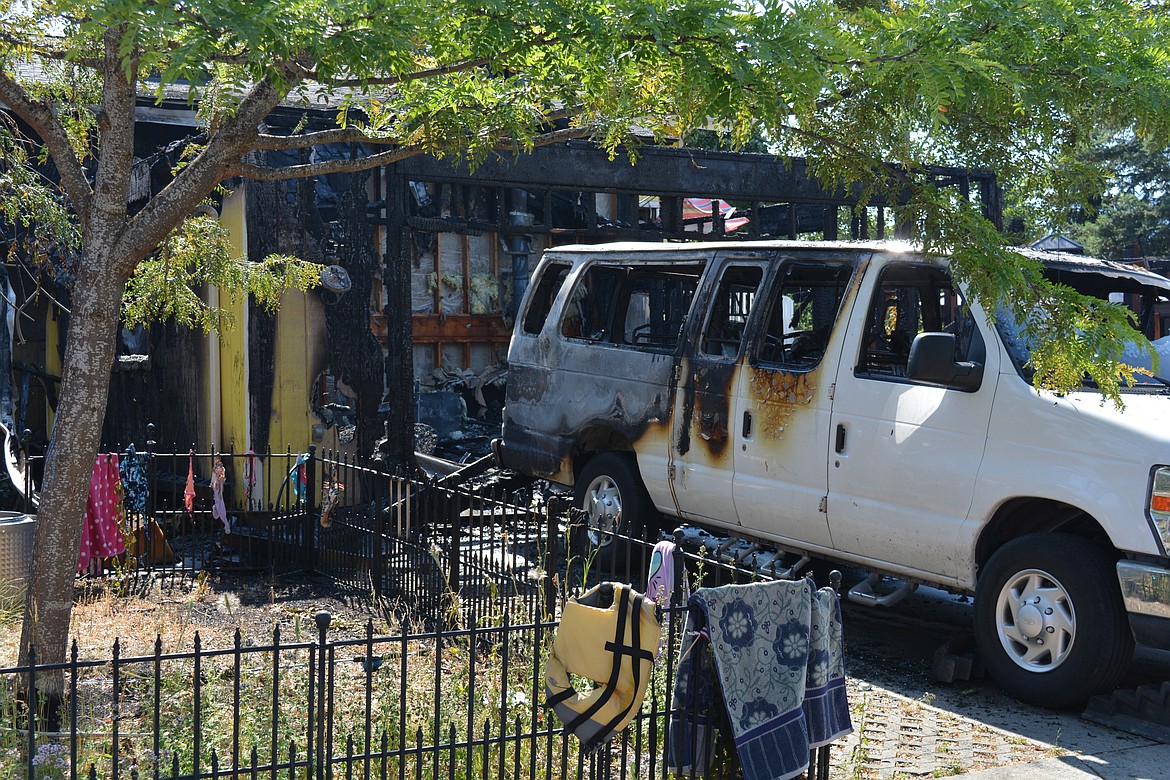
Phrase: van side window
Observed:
(730, 309)
(804, 307)
(542, 299)
(640, 306)
(913, 299)
(657, 301)
(590, 311)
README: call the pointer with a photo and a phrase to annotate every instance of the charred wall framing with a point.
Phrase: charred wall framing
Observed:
(554, 196)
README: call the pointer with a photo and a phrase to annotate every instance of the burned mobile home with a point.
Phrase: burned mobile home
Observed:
(423, 263)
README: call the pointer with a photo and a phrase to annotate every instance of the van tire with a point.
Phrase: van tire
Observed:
(610, 493)
(1049, 620)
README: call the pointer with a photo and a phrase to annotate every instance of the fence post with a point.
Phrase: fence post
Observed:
(323, 618)
(552, 564)
(454, 504)
(33, 702)
(308, 542)
(151, 470)
(379, 573)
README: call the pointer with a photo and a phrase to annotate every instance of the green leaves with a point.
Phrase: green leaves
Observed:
(30, 203)
(168, 284)
(869, 91)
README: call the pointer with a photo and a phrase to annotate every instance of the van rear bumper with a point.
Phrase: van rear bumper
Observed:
(534, 454)
(1146, 590)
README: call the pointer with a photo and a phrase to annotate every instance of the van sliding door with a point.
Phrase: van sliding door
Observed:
(701, 446)
(783, 405)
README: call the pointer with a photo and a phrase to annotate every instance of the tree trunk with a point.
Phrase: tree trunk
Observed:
(73, 446)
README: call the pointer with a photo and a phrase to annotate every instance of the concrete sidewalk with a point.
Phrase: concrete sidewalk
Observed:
(980, 732)
(1146, 762)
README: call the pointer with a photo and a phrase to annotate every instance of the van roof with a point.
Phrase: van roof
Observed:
(1059, 261)
(709, 246)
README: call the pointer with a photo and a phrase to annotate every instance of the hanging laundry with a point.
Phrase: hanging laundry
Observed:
(661, 580)
(218, 511)
(334, 491)
(774, 651)
(133, 471)
(101, 535)
(189, 491)
(298, 478)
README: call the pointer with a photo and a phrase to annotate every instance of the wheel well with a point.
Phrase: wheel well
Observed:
(593, 441)
(1031, 515)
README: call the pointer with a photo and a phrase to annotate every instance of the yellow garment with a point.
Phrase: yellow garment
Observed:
(610, 636)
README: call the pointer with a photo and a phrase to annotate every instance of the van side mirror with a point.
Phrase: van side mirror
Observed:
(932, 360)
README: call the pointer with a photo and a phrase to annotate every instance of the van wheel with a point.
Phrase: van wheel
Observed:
(1049, 620)
(614, 501)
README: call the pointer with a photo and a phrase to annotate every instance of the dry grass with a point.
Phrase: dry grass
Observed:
(174, 612)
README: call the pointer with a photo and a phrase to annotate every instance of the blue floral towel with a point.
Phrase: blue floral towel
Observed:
(779, 665)
(826, 706)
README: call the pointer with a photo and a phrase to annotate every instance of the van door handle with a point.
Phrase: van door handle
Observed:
(747, 425)
(840, 445)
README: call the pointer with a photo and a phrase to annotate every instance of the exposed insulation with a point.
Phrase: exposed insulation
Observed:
(453, 357)
(480, 253)
(422, 296)
(451, 264)
(485, 294)
(482, 356)
(424, 359)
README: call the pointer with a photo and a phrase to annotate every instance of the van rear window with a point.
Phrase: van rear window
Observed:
(540, 304)
(642, 307)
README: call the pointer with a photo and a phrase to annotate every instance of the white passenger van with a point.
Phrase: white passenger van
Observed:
(842, 400)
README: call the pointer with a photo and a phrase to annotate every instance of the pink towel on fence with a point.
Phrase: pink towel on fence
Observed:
(101, 536)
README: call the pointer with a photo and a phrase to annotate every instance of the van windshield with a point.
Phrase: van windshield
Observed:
(1145, 294)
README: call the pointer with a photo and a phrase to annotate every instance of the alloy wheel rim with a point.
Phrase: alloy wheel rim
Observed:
(1036, 621)
(603, 506)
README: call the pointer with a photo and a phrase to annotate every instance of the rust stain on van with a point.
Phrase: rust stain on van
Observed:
(779, 395)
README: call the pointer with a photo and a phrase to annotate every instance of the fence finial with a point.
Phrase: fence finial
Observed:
(323, 618)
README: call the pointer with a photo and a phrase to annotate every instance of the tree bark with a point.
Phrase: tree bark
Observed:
(89, 355)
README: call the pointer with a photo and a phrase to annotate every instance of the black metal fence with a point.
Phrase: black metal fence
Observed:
(420, 546)
(481, 571)
(459, 701)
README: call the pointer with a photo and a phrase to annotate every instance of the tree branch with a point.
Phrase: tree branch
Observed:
(116, 124)
(339, 135)
(262, 173)
(60, 55)
(40, 117)
(389, 157)
(344, 135)
(237, 135)
(390, 81)
(893, 170)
